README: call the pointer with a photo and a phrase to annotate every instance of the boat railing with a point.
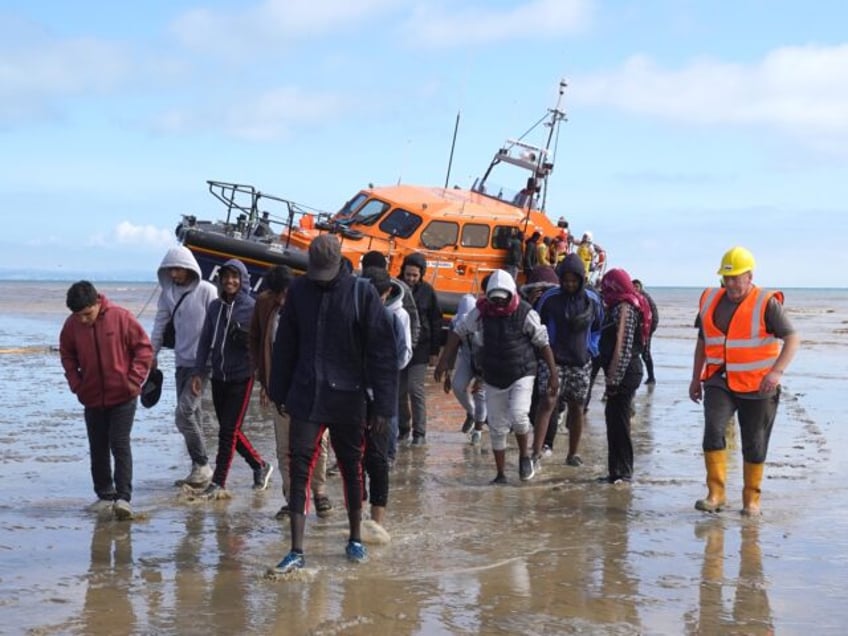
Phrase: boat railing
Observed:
(260, 216)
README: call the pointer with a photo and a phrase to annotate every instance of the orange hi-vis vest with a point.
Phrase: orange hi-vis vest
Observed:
(746, 352)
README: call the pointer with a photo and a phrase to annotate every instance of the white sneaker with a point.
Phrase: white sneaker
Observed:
(475, 437)
(199, 477)
(101, 505)
(122, 510)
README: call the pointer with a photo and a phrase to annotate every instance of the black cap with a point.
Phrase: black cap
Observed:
(151, 390)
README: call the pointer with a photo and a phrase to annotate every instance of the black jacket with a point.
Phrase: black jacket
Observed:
(325, 355)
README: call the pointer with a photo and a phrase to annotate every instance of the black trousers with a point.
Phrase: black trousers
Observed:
(619, 443)
(377, 466)
(231, 400)
(109, 438)
(348, 441)
(756, 419)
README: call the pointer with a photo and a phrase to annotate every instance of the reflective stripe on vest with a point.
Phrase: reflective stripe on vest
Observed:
(747, 352)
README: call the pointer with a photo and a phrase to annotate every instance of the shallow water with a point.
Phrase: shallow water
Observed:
(558, 555)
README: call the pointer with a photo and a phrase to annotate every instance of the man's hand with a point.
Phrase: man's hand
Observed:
(379, 424)
(196, 385)
(447, 385)
(553, 384)
(696, 390)
(263, 398)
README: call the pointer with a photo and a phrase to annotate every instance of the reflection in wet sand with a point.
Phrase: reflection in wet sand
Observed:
(560, 554)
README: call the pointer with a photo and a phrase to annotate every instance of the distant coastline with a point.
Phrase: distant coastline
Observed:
(136, 276)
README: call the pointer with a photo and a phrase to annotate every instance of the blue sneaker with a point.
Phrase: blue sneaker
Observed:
(292, 561)
(356, 552)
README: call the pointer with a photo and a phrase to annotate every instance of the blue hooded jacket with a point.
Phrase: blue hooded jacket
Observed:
(223, 344)
(573, 320)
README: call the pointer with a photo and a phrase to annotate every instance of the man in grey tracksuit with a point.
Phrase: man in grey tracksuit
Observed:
(181, 282)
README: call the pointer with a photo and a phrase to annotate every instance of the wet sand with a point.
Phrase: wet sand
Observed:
(558, 555)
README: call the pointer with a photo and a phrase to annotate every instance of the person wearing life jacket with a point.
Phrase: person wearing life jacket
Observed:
(737, 368)
(586, 251)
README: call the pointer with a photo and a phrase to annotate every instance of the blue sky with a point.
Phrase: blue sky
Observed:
(692, 126)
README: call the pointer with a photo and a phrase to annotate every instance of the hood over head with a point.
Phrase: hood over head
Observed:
(179, 256)
(240, 268)
(501, 285)
(417, 260)
(574, 264)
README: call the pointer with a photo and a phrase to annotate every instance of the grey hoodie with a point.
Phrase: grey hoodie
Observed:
(191, 313)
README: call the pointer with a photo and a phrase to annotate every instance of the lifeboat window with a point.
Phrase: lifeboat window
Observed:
(440, 234)
(351, 206)
(370, 212)
(500, 238)
(475, 235)
(400, 223)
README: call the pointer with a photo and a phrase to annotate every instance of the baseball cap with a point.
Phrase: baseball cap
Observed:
(151, 390)
(325, 257)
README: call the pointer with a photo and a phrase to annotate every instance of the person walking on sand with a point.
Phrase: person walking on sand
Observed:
(106, 355)
(573, 315)
(412, 405)
(737, 368)
(334, 341)
(655, 321)
(377, 442)
(626, 326)
(263, 329)
(512, 334)
(465, 382)
(223, 345)
(181, 309)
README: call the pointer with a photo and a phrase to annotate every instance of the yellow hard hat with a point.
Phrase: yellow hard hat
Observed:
(736, 260)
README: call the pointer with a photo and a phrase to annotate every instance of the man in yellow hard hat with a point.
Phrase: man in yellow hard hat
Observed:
(737, 368)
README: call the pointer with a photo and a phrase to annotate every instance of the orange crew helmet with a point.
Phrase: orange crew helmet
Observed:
(737, 260)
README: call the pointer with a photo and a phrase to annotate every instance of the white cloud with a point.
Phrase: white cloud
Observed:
(437, 26)
(36, 67)
(800, 90)
(269, 25)
(128, 235)
(266, 117)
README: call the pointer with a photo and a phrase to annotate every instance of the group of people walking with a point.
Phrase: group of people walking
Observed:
(342, 361)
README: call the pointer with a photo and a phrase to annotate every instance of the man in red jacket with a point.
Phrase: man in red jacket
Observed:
(107, 356)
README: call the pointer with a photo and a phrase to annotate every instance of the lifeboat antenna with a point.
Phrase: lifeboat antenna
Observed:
(545, 166)
(453, 146)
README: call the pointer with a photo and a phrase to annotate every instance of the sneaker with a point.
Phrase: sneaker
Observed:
(525, 469)
(122, 510)
(499, 480)
(573, 460)
(101, 505)
(262, 476)
(211, 492)
(292, 561)
(476, 436)
(323, 507)
(356, 552)
(199, 477)
(468, 423)
(650, 381)
(547, 451)
(282, 513)
(420, 440)
(537, 462)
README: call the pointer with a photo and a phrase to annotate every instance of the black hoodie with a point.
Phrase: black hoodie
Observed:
(429, 312)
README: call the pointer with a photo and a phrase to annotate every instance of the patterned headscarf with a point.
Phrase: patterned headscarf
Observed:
(616, 287)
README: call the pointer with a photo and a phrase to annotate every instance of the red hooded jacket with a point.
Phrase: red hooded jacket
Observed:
(106, 363)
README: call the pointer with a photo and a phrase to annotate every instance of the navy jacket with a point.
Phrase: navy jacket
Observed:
(325, 355)
(223, 343)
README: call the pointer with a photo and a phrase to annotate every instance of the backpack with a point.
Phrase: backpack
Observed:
(412, 310)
